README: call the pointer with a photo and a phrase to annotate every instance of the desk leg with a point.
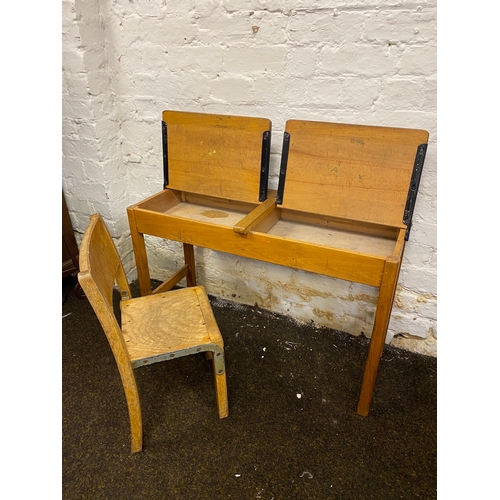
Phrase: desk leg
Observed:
(141, 257)
(381, 323)
(189, 261)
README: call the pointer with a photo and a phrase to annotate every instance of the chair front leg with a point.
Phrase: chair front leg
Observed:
(220, 383)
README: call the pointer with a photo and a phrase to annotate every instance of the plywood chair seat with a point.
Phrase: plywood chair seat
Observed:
(156, 327)
(153, 328)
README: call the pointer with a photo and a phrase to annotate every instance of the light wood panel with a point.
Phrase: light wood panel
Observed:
(350, 171)
(216, 155)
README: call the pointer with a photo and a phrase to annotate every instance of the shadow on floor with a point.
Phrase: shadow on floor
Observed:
(292, 430)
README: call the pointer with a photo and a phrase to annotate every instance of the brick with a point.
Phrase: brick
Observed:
(393, 27)
(267, 29)
(251, 5)
(268, 88)
(326, 28)
(301, 62)
(151, 8)
(73, 167)
(248, 60)
(409, 118)
(196, 59)
(230, 28)
(420, 251)
(295, 92)
(173, 30)
(402, 93)
(419, 279)
(411, 325)
(324, 91)
(418, 60)
(94, 170)
(80, 148)
(360, 93)
(191, 89)
(358, 60)
(77, 107)
(236, 89)
(136, 133)
(429, 99)
(73, 59)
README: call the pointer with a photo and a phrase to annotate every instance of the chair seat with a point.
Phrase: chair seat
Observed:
(168, 325)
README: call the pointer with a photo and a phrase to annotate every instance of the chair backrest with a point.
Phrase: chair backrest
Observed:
(216, 155)
(359, 172)
(100, 269)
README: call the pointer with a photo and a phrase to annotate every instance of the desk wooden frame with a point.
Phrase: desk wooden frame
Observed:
(314, 222)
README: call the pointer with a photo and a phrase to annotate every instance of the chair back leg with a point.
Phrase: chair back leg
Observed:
(134, 406)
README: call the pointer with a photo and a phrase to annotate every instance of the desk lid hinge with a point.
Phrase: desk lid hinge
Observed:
(413, 190)
(165, 154)
(284, 162)
(264, 165)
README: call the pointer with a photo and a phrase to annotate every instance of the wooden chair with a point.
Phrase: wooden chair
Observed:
(153, 328)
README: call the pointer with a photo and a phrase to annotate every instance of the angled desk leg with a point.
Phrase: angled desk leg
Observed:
(189, 261)
(381, 323)
(141, 257)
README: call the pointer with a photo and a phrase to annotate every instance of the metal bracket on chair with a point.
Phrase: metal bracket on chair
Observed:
(413, 190)
(218, 359)
(220, 366)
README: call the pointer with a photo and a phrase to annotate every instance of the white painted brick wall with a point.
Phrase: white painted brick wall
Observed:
(370, 62)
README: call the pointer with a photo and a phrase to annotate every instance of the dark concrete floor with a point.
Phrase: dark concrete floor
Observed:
(292, 430)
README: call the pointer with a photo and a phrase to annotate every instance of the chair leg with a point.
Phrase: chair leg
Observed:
(135, 429)
(134, 408)
(220, 384)
(377, 342)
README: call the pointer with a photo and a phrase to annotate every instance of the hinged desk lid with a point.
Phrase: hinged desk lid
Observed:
(357, 172)
(217, 155)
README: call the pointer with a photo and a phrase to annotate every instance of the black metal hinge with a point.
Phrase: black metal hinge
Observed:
(264, 165)
(165, 154)
(284, 162)
(413, 190)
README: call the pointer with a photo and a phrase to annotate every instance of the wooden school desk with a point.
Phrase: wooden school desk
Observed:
(343, 207)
